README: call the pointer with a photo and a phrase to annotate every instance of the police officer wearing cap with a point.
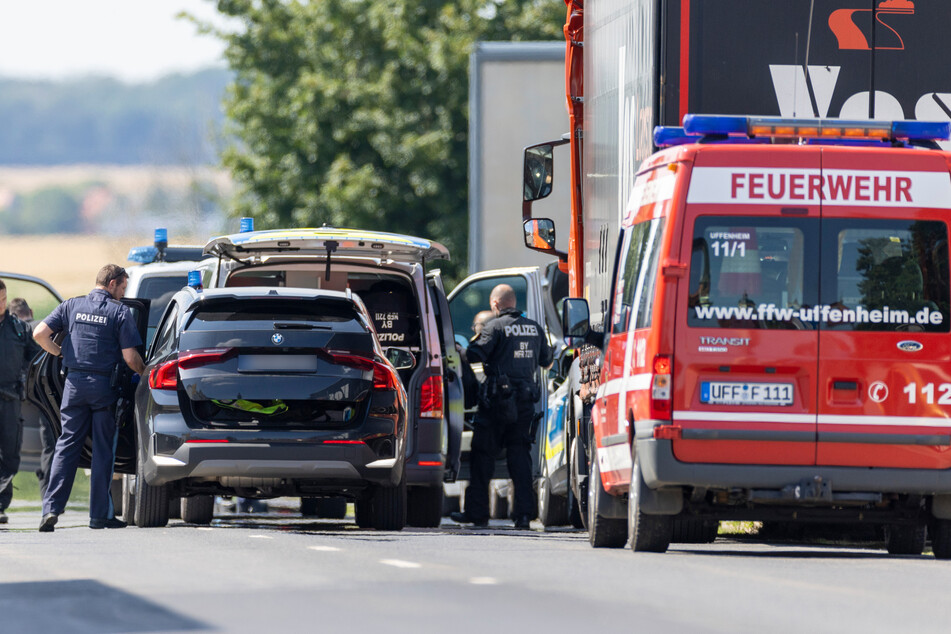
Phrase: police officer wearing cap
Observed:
(511, 348)
(16, 351)
(100, 334)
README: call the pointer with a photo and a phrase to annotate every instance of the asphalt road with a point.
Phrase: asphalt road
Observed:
(279, 572)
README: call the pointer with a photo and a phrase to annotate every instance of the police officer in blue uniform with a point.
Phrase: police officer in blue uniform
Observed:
(16, 351)
(511, 348)
(100, 334)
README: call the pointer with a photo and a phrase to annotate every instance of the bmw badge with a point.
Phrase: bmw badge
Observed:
(277, 338)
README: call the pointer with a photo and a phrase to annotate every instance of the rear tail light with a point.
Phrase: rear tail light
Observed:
(430, 397)
(661, 383)
(165, 376)
(384, 376)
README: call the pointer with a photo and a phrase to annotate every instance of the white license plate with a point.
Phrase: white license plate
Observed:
(277, 363)
(724, 393)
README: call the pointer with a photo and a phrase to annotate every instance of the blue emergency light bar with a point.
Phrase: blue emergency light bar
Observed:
(247, 224)
(161, 236)
(820, 129)
(143, 255)
(194, 280)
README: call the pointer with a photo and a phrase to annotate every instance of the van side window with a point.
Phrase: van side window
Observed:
(753, 272)
(886, 275)
(637, 275)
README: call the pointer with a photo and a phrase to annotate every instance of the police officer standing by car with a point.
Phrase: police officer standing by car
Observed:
(511, 348)
(16, 351)
(100, 334)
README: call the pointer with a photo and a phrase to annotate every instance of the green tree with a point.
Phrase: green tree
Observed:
(355, 112)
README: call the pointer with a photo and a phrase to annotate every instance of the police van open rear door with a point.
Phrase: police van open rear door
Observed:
(884, 373)
(746, 349)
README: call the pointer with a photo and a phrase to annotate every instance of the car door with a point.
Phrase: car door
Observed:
(884, 374)
(471, 296)
(454, 396)
(42, 298)
(45, 390)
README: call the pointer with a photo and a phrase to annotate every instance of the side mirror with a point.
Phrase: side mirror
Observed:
(539, 170)
(401, 359)
(575, 318)
(539, 233)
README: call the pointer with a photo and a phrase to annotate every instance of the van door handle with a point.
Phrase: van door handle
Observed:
(845, 385)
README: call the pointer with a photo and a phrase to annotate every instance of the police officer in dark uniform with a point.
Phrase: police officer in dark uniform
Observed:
(100, 334)
(511, 348)
(16, 351)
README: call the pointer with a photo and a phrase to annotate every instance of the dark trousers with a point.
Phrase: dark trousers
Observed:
(11, 435)
(487, 440)
(88, 401)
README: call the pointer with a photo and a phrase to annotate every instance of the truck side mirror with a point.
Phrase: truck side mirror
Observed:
(575, 317)
(539, 233)
(539, 170)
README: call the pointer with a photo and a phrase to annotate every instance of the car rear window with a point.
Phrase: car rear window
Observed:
(335, 312)
(835, 274)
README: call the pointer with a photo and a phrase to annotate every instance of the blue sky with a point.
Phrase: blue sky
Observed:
(133, 40)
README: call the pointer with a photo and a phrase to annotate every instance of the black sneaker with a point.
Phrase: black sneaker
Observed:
(112, 522)
(3, 518)
(49, 521)
(523, 522)
(463, 518)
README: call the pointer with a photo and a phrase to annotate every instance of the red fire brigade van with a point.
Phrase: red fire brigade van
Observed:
(777, 343)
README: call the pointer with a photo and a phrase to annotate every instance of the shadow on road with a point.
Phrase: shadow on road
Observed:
(791, 552)
(84, 605)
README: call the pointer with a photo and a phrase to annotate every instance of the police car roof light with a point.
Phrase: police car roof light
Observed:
(143, 255)
(194, 279)
(161, 236)
(247, 224)
(826, 129)
(666, 136)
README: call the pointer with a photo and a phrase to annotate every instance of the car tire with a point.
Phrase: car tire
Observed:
(603, 532)
(308, 507)
(694, 531)
(424, 506)
(128, 499)
(941, 538)
(151, 502)
(362, 510)
(198, 509)
(388, 507)
(905, 539)
(174, 508)
(115, 492)
(332, 508)
(498, 505)
(574, 511)
(579, 484)
(552, 509)
(646, 533)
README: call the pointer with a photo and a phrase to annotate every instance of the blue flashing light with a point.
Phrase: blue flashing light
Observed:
(143, 255)
(922, 130)
(161, 236)
(715, 124)
(665, 136)
(194, 280)
(247, 224)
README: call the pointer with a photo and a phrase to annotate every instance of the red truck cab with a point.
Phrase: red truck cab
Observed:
(776, 345)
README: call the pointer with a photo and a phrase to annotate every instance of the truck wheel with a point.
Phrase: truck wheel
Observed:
(151, 502)
(198, 509)
(128, 498)
(603, 532)
(424, 506)
(552, 509)
(388, 507)
(646, 533)
(905, 540)
(941, 539)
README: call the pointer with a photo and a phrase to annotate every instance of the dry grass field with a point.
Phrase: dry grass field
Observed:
(68, 262)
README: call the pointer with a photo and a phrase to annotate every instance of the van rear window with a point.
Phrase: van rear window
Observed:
(835, 274)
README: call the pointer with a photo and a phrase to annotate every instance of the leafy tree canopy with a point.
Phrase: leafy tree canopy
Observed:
(355, 112)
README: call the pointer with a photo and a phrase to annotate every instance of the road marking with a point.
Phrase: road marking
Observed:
(205, 528)
(260, 537)
(483, 581)
(399, 563)
(324, 549)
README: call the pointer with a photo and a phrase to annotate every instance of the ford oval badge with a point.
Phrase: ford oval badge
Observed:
(277, 338)
(910, 346)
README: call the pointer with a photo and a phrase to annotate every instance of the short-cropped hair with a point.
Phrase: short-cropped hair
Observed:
(109, 273)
